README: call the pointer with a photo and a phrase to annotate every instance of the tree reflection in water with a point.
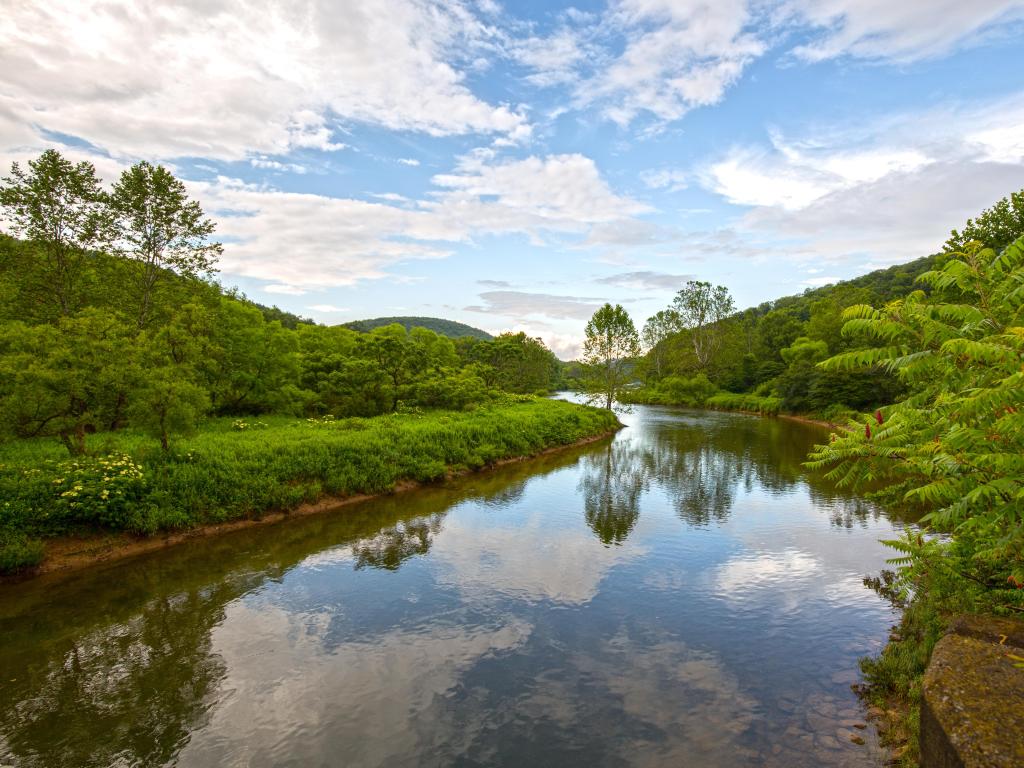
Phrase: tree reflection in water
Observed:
(612, 482)
(701, 463)
(393, 546)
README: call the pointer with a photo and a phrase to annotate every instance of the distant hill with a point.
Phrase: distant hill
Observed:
(449, 328)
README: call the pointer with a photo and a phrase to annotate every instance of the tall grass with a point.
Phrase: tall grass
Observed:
(728, 401)
(238, 468)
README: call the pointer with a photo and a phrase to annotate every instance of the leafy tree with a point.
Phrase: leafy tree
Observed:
(389, 346)
(158, 226)
(170, 397)
(253, 365)
(62, 380)
(658, 328)
(610, 346)
(701, 308)
(995, 227)
(61, 209)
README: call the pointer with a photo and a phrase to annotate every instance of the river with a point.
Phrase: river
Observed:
(683, 594)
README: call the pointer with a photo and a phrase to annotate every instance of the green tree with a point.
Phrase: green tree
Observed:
(611, 345)
(658, 328)
(170, 398)
(61, 209)
(995, 227)
(701, 308)
(160, 228)
(62, 380)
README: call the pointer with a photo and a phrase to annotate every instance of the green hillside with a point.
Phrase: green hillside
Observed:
(449, 328)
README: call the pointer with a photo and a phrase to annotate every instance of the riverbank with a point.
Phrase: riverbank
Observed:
(130, 497)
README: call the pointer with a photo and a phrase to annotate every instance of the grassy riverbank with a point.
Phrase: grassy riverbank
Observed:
(241, 468)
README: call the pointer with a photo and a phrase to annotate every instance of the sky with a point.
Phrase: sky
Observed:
(516, 165)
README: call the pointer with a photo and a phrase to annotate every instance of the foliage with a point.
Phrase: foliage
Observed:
(692, 392)
(157, 225)
(750, 403)
(995, 227)
(658, 328)
(700, 309)
(610, 346)
(94, 341)
(60, 208)
(955, 446)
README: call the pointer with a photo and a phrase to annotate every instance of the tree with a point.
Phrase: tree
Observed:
(656, 330)
(610, 346)
(169, 398)
(60, 208)
(995, 227)
(62, 380)
(158, 226)
(701, 308)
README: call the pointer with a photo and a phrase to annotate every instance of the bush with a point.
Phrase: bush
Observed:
(729, 401)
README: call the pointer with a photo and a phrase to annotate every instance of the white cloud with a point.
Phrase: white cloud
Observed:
(327, 308)
(276, 165)
(901, 31)
(298, 242)
(521, 305)
(646, 280)
(553, 59)
(676, 56)
(287, 290)
(671, 179)
(224, 80)
(558, 192)
(409, 161)
(792, 178)
(886, 190)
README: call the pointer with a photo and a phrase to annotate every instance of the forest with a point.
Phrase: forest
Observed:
(117, 345)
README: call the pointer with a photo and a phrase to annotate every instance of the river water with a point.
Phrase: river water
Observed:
(681, 595)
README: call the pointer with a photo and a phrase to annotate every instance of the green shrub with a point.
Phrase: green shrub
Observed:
(729, 401)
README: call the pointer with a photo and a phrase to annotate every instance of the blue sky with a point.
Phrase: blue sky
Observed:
(515, 165)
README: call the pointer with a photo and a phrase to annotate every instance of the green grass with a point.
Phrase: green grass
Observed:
(238, 468)
(728, 401)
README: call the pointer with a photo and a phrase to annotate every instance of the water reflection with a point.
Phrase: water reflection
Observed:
(392, 546)
(682, 594)
(612, 480)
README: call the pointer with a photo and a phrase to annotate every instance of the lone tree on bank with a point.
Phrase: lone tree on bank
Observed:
(611, 344)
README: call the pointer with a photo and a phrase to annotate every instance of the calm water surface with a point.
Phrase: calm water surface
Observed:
(681, 595)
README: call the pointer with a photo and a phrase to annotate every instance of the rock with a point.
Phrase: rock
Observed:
(845, 735)
(860, 726)
(875, 712)
(826, 741)
(857, 740)
(819, 723)
(848, 676)
(970, 705)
